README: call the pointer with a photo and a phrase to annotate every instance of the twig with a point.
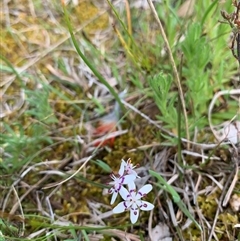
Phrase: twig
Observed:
(232, 186)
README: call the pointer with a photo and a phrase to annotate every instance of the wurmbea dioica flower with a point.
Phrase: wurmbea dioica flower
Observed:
(118, 182)
(132, 198)
(128, 167)
(132, 201)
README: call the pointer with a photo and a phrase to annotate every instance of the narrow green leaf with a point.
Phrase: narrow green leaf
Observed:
(176, 198)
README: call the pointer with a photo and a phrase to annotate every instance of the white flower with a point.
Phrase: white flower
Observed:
(128, 167)
(132, 201)
(118, 183)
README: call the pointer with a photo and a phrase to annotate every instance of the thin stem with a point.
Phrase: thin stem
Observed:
(128, 12)
(179, 115)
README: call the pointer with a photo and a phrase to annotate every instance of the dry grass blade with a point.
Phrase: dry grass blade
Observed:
(232, 186)
(122, 235)
(74, 174)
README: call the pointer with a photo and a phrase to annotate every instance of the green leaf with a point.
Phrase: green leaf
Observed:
(103, 165)
(176, 198)
(161, 85)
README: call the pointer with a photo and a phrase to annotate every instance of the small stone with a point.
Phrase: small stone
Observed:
(235, 203)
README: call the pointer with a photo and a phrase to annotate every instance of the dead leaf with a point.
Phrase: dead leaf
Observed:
(235, 203)
(230, 132)
(161, 233)
(186, 9)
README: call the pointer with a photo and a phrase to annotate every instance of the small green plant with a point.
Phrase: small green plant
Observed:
(20, 143)
(199, 77)
(161, 85)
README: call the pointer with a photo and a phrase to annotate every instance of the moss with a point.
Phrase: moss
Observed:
(208, 205)
(120, 150)
(71, 203)
(106, 238)
(87, 11)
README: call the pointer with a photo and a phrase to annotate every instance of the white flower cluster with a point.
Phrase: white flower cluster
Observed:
(132, 198)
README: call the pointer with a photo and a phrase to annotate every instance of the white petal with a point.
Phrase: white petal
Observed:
(114, 196)
(128, 204)
(122, 168)
(145, 206)
(134, 213)
(124, 193)
(120, 208)
(129, 178)
(143, 191)
(111, 183)
(135, 173)
(131, 186)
